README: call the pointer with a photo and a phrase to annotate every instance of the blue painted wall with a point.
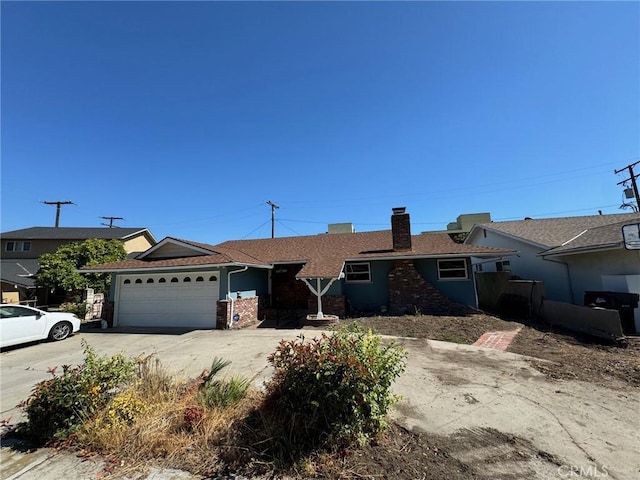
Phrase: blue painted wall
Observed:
(461, 291)
(369, 297)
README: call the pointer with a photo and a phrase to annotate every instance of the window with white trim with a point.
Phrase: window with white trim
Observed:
(503, 266)
(454, 269)
(18, 246)
(357, 272)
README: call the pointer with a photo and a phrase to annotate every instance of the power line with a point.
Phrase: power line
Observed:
(255, 230)
(58, 205)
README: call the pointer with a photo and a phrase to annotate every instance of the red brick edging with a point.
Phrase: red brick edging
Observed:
(497, 340)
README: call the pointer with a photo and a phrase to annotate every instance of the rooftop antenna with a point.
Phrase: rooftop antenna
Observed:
(273, 217)
(58, 205)
(111, 219)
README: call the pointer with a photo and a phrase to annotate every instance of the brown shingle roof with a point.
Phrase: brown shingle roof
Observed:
(607, 236)
(323, 255)
(553, 232)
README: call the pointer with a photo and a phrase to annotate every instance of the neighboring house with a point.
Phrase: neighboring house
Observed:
(179, 282)
(22, 248)
(571, 255)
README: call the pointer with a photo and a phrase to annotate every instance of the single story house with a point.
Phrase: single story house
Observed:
(570, 255)
(22, 248)
(183, 283)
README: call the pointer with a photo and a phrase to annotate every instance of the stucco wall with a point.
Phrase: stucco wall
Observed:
(587, 269)
(528, 265)
(137, 244)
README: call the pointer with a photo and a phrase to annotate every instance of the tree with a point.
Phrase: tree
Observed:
(59, 270)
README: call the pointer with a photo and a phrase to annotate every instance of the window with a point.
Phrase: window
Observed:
(187, 279)
(358, 272)
(162, 280)
(149, 280)
(18, 246)
(503, 266)
(138, 280)
(452, 269)
(127, 281)
(174, 280)
(213, 278)
(199, 279)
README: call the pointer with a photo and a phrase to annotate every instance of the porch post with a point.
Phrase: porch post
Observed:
(319, 294)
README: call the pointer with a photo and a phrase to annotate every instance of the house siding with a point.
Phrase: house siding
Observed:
(370, 296)
(527, 264)
(460, 291)
(587, 269)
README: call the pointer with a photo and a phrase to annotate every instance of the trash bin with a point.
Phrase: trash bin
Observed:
(624, 302)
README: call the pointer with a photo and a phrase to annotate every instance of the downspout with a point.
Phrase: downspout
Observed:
(229, 299)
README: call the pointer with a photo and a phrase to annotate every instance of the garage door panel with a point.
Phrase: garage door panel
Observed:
(168, 304)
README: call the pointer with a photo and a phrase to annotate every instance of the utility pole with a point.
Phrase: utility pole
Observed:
(632, 177)
(273, 217)
(58, 204)
(111, 219)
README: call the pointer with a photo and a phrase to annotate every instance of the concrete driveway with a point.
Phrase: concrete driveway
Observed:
(480, 396)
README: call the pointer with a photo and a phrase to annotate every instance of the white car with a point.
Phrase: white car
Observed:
(21, 324)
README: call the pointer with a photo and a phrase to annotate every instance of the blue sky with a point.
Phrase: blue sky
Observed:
(187, 117)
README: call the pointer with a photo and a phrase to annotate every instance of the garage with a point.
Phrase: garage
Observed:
(168, 300)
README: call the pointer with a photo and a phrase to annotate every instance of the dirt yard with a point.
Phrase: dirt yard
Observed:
(569, 355)
(404, 455)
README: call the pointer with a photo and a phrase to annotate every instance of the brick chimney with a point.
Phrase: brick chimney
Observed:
(401, 229)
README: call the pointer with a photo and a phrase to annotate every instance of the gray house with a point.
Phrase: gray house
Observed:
(571, 255)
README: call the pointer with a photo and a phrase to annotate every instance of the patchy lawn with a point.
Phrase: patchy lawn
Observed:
(571, 355)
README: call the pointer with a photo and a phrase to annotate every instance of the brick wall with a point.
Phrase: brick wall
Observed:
(401, 230)
(245, 308)
(410, 293)
(331, 305)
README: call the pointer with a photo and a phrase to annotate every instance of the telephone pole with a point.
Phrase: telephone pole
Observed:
(58, 205)
(632, 177)
(273, 217)
(111, 219)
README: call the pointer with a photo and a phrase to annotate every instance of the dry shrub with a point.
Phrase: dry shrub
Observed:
(174, 429)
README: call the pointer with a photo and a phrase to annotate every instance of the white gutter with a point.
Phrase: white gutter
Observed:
(154, 269)
(229, 299)
(446, 255)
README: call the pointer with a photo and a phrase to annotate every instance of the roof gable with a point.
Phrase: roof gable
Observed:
(170, 247)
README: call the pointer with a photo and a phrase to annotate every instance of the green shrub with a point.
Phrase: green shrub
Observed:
(57, 407)
(222, 393)
(332, 391)
(79, 309)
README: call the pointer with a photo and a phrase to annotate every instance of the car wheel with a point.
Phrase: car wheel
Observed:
(60, 331)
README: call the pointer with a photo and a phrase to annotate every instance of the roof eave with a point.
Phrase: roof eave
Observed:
(177, 267)
(590, 249)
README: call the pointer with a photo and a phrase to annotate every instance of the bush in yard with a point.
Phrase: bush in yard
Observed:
(332, 391)
(57, 407)
(222, 393)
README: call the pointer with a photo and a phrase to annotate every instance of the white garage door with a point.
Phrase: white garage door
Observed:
(168, 300)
